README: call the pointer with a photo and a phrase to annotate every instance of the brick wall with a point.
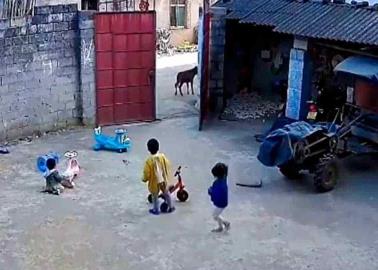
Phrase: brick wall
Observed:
(40, 72)
(87, 68)
(217, 46)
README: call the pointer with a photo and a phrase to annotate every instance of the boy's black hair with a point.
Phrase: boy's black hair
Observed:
(220, 170)
(50, 164)
(153, 146)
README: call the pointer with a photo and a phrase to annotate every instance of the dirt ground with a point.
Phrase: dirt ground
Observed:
(104, 222)
(169, 105)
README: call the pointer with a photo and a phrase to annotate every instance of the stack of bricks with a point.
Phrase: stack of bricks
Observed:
(40, 87)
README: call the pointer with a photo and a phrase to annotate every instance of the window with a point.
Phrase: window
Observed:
(89, 4)
(178, 13)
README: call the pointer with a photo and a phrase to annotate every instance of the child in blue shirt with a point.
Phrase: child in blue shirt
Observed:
(219, 195)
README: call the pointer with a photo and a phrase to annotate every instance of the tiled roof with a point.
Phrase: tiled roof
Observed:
(235, 15)
(269, 13)
(342, 22)
(239, 9)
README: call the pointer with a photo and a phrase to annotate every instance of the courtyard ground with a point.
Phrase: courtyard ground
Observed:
(104, 222)
(169, 105)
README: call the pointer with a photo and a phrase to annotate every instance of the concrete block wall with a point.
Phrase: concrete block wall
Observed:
(40, 72)
(217, 47)
(87, 88)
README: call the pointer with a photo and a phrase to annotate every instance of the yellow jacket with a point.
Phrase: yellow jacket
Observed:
(149, 171)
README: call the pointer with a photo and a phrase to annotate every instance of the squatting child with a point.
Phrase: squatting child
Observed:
(53, 178)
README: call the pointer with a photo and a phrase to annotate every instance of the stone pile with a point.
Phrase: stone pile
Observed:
(248, 107)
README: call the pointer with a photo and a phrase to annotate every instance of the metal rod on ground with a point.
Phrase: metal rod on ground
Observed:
(257, 185)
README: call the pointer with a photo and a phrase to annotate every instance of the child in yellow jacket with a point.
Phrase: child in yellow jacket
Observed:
(157, 173)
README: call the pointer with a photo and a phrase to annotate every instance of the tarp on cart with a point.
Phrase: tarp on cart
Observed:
(279, 123)
(365, 67)
(277, 148)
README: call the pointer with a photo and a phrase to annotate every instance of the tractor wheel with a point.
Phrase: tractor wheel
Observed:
(290, 171)
(182, 195)
(326, 173)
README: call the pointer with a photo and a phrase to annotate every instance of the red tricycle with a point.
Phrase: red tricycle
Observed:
(182, 194)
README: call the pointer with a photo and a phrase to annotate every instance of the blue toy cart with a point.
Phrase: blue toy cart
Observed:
(119, 143)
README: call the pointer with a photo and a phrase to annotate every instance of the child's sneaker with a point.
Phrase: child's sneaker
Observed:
(227, 225)
(217, 230)
(68, 184)
(171, 210)
(57, 189)
(154, 212)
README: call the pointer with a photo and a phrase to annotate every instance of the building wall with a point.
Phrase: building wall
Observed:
(40, 3)
(162, 7)
(41, 71)
(178, 36)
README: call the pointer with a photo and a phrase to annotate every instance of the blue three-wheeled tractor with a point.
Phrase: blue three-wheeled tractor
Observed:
(315, 146)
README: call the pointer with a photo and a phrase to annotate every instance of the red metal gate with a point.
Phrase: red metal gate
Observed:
(125, 67)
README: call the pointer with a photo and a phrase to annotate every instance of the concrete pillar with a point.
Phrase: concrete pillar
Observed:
(217, 46)
(87, 67)
(299, 81)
